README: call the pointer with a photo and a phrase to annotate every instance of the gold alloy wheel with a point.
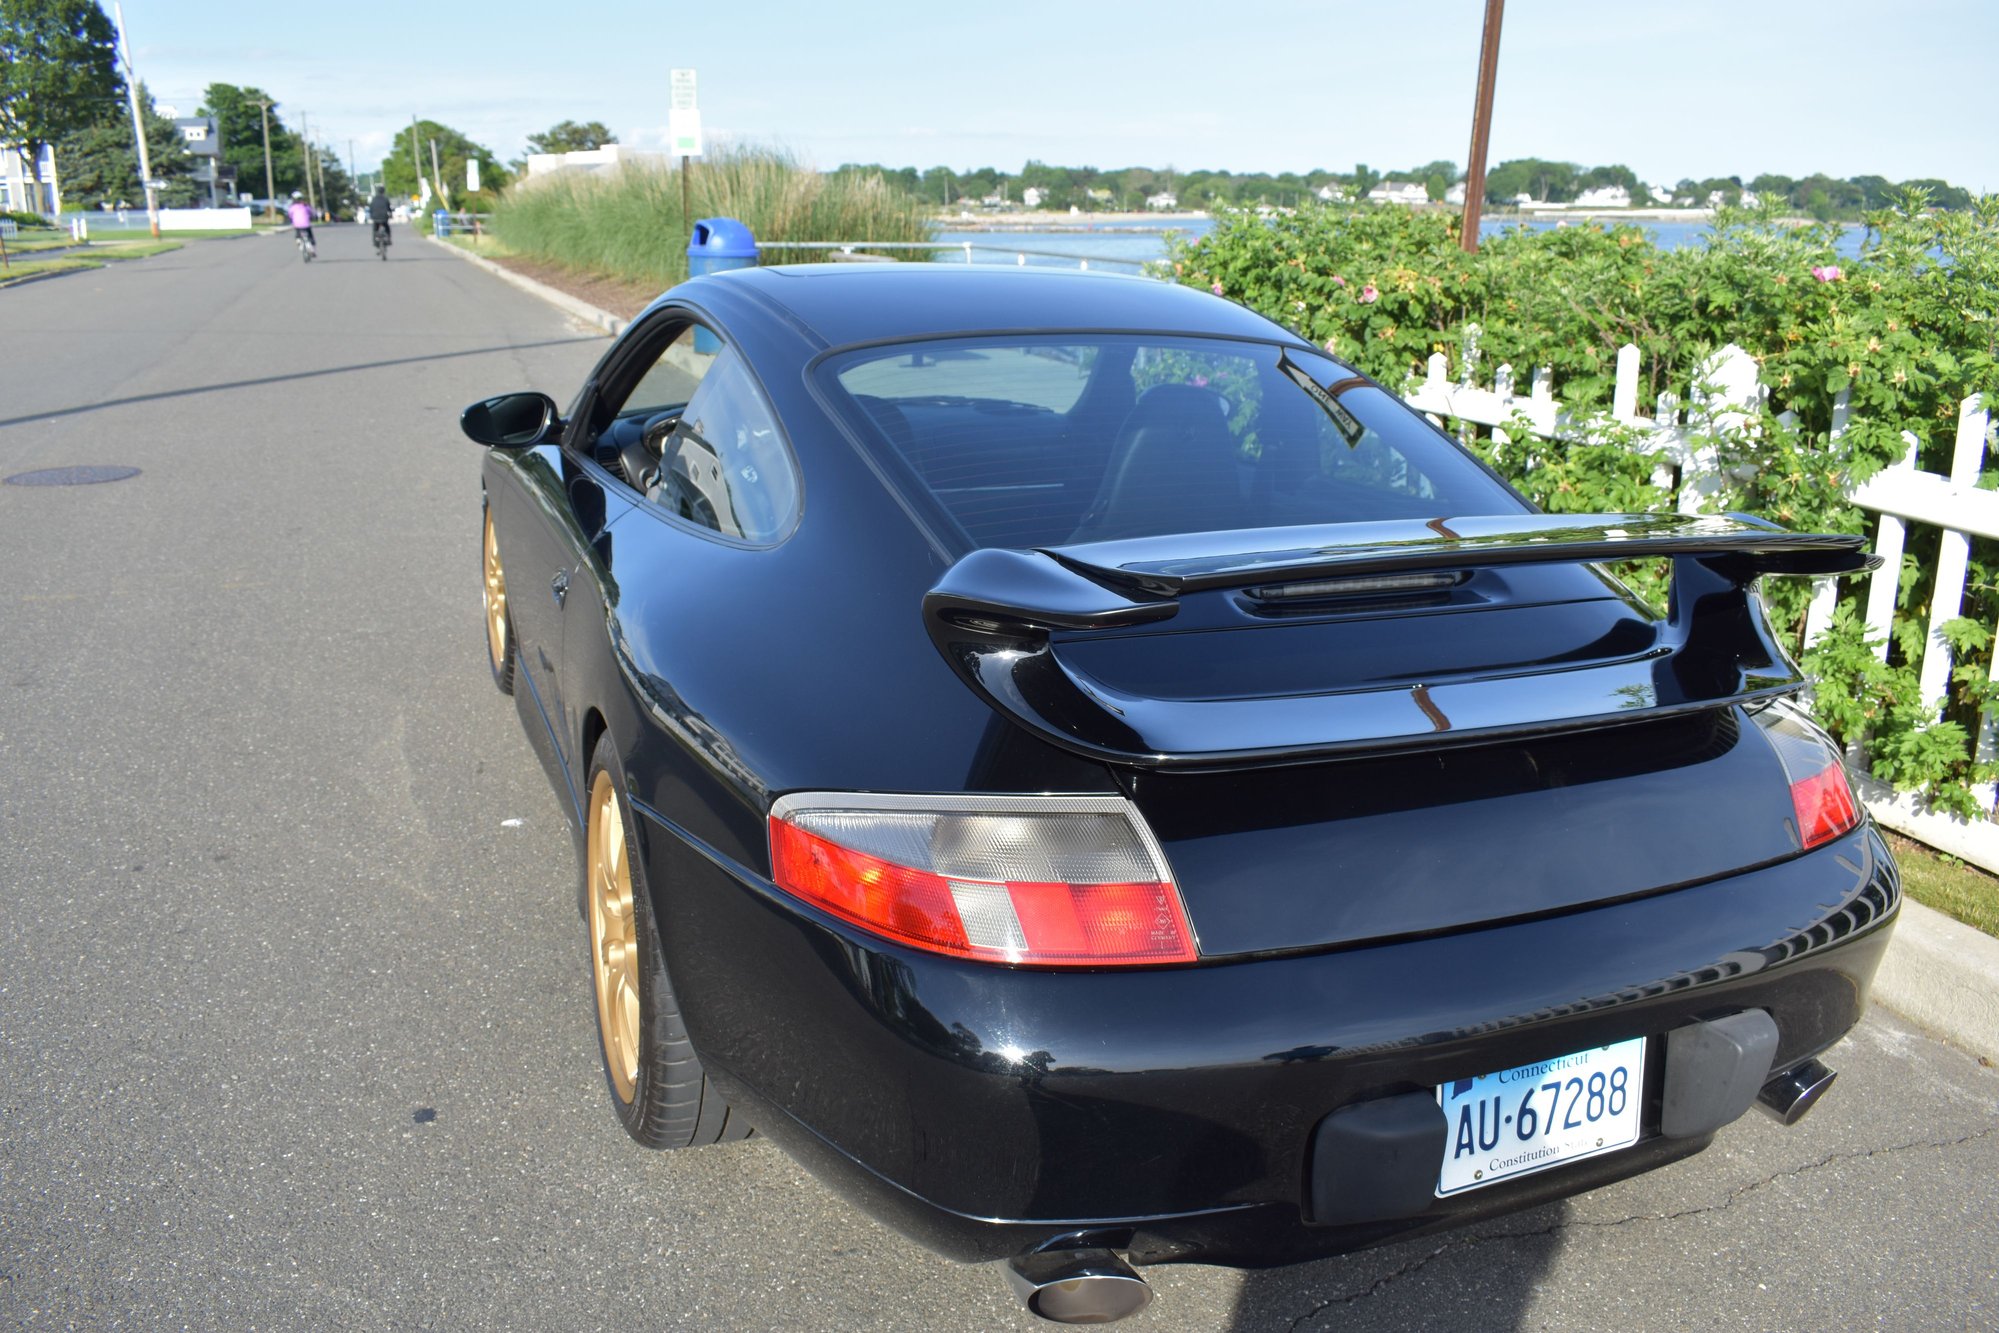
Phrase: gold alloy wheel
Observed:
(496, 599)
(614, 953)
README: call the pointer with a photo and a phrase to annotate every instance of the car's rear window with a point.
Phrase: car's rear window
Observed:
(1050, 441)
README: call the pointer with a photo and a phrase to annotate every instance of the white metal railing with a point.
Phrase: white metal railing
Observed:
(1021, 256)
(1725, 392)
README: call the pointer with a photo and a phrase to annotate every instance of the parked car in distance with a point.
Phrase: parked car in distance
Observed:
(1102, 783)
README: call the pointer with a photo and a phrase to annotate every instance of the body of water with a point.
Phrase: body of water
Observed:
(1126, 247)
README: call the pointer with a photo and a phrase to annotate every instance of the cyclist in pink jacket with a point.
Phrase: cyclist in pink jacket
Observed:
(301, 216)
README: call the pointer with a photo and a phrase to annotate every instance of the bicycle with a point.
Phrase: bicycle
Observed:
(305, 247)
(382, 241)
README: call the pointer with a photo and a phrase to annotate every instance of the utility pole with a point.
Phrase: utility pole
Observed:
(305, 145)
(320, 160)
(138, 125)
(437, 173)
(1481, 125)
(416, 163)
(270, 189)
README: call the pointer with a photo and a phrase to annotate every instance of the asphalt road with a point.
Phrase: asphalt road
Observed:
(295, 1029)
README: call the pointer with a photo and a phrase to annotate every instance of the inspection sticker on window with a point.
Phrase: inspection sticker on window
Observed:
(1537, 1116)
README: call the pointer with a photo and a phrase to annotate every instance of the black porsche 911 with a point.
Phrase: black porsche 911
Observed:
(1102, 783)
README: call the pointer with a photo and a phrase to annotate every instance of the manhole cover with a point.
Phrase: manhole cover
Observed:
(71, 476)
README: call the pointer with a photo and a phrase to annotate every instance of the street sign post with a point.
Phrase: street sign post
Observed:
(683, 134)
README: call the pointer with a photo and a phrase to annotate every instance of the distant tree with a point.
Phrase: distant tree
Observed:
(1534, 177)
(101, 166)
(941, 184)
(1875, 191)
(1942, 194)
(566, 136)
(978, 184)
(1365, 178)
(1616, 174)
(412, 147)
(58, 72)
(239, 117)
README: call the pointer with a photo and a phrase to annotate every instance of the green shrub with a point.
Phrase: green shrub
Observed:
(1907, 329)
(627, 222)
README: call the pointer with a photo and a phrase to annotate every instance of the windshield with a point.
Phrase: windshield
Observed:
(1026, 442)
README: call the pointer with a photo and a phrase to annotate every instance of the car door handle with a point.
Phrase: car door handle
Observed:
(559, 585)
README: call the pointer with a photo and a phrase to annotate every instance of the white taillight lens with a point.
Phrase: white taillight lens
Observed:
(1051, 881)
(1820, 793)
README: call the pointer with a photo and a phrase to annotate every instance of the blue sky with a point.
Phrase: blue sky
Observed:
(1671, 89)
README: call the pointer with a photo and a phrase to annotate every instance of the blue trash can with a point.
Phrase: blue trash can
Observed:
(440, 223)
(716, 245)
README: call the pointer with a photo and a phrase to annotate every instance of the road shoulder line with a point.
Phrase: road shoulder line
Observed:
(563, 301)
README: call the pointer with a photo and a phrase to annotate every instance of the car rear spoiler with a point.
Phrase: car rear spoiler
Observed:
(1001, 616)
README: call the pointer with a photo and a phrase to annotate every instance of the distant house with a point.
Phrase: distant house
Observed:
(202, 137)
(18, 191)
(1399, 192)
(1032, 196)
(1331, 193)
(1660, 193)
(1604, 196)
(1163, 200)
(1456, 194)
(1523, 199)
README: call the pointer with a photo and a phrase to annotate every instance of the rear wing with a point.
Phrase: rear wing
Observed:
(1000, 617)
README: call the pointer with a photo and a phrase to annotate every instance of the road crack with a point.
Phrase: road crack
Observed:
(1729, 1200)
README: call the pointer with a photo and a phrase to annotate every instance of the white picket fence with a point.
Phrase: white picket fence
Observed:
(1727, 390)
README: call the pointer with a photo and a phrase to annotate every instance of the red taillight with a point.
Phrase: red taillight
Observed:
(1825, 806)
(1820, 794)
(1038, 881)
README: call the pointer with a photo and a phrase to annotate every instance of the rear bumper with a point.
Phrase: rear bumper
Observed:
(986, 1112)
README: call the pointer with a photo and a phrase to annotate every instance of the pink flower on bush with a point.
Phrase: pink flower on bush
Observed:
(1827, 272)
(1215, 287)
(1199, 381)
(1339, 281)
(1368, 295)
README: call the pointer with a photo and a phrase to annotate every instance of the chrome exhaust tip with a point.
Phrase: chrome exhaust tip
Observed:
(1077, 1286)
(1787, 1097)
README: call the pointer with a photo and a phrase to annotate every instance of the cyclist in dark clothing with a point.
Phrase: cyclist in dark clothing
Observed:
(378, 213)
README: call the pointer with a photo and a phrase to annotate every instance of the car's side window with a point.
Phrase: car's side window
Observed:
(673, 376)
(723, 465)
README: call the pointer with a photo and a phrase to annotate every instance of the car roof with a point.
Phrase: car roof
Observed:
(840, 304)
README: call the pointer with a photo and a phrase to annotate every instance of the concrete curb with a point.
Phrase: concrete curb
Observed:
(562, 301)
(1938, 972)
(1943, 975)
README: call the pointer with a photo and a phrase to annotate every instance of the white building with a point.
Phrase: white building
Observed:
(1399, 192)
(1331, 194)
(1165, 199)
(1456, 194)
(18, 191)
(610, 156)
(1604, 196)
(1032, 196)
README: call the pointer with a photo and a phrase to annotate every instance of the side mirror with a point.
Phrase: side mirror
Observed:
(511, 421)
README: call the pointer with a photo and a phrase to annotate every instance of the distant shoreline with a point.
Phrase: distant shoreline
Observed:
(1045, 221)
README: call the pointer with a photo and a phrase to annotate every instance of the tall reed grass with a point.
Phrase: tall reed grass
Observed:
(626, 222)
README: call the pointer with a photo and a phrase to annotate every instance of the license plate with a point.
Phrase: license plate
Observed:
(1537, 1116)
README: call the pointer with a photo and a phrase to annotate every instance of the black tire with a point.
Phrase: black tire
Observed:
(663, 1099)
(501, 649)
